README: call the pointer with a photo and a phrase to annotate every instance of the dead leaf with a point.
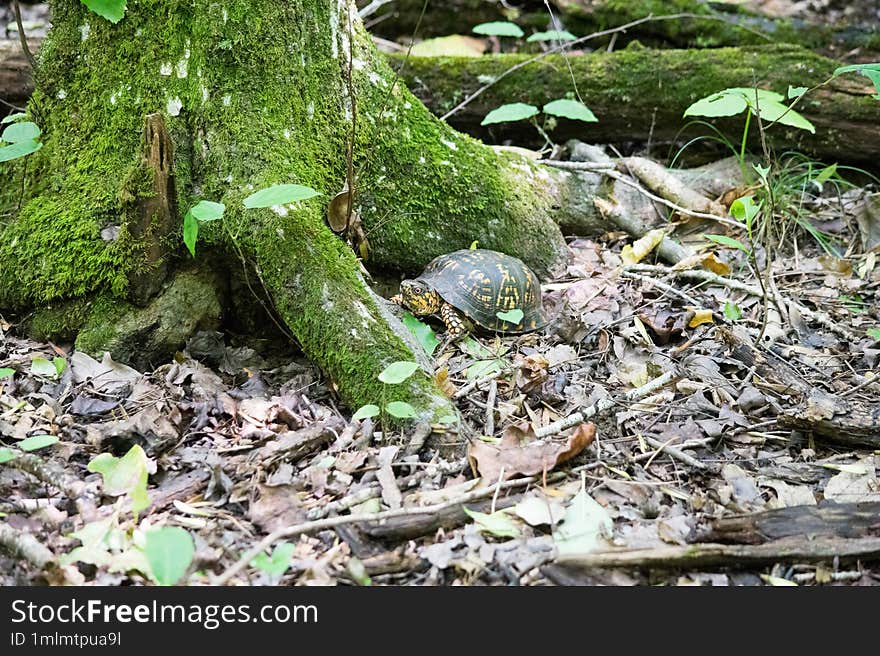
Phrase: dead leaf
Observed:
(390, 492)
(700, 317)
(641, 248)
(454, 45)
(531, 372)
(277, 506)
(520, 453)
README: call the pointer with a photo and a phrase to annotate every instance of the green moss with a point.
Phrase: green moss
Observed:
(58, 322)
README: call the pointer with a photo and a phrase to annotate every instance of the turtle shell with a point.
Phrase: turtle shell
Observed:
(481, 283)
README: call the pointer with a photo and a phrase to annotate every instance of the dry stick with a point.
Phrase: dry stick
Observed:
(708, 276)
(490, 409)
(331, 522)
(24, 545)
(606, 404)
(663, 286)
(676, 453)
(49, 472)
(584, 39)
(471, 386)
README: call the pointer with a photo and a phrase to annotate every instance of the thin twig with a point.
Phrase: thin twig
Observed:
(332, 522)
(22, 37)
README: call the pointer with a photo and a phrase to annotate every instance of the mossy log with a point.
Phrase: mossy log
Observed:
(251, 94)
(639, 94)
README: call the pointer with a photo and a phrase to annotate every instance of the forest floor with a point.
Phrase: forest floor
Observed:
(242, 441)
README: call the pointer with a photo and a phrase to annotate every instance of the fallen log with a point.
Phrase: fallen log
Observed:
(641, 95)
(841, 520)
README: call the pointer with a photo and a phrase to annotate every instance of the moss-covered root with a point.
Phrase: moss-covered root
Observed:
(314, 281)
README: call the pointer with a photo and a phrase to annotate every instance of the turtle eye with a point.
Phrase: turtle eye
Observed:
(417, 290)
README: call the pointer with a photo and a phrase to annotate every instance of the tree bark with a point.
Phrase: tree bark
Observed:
(254, 94)
(641, 95)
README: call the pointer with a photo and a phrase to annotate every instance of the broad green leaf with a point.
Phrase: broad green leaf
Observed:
(873, 333)
(13, 117)
(759, 96)
(206, 210)
(6, 373)
(6, 455)
(584, 526)
(190, 232)
(400, 409)
(42, 367)
(112, 10)
(763, 171)
(510, 112)
(477, 350)
(796, 92)
(871, 71)
(572, 109)
(279, 195)
(732, 311)
(499, 523)
(169, 551)
(773, 111)
(552, 35)
(21, 132)
(511, 316)
(727, 241)
(397, 372)
(745, 209)
(60, 365)
(423, 333)
(365, 412)
(499, 28)
(96, 538)
(278, 562)
(35, 442)
(16, 150)
(482, 368)
(125, 475)
(718, 104)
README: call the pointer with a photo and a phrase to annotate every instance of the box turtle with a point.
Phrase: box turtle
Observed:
(472, 287)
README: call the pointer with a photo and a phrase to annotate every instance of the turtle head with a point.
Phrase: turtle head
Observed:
(419, 297)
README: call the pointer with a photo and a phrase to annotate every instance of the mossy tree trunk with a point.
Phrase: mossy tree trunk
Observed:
(251, 94)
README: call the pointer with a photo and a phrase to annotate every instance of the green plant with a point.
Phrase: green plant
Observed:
(19, 138)
(394, 374)
(561, 107)
(112, 10)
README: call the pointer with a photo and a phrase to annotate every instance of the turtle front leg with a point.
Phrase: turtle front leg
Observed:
(455, 326)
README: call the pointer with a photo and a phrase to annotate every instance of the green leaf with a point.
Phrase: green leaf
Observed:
(499, 28)
(400, 409)
(482, 368)
(278, 562)
(60, 365)
(112, 10)
(583, 527)
(718, 104)
(397, 372)
(567, 108)
(474, 244)
(773, 111)
(365, 412)
(552, 35)
(190, 232)
(454, 45)
(13, 117)
(873, 333)
(796, 92)
(871, 71)
(125, 475)
(6, 455)
(206, 210)
(763, 171)
(42, 367)
(513, 316)
(745, 209)
(727, 241)
(6, 372)
(20, 132)
(169, 551)
(35, 442)
(423, 333)
(510, 112)
(732, 311)
(825, 174)
(279, 195)
(20, 149)
(499, 523)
